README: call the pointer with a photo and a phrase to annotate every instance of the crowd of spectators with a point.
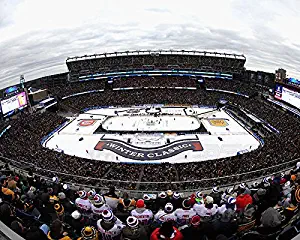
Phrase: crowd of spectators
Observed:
(37, 209)
(163, 81)
(22, 144)
(233, 86)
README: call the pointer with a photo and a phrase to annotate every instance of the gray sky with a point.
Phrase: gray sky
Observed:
(36, 36)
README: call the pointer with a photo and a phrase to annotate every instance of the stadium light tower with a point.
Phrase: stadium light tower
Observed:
(22, 80)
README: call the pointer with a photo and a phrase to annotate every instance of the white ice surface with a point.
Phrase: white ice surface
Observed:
(234, 137)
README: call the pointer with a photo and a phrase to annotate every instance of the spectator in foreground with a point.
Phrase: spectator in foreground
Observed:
(165, 232)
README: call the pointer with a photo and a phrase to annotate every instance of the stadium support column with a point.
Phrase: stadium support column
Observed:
(109, 83)
(200, 83)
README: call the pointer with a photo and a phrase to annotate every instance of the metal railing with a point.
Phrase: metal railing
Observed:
(182, 186)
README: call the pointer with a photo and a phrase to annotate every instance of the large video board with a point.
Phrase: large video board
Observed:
(287, 95)
(12, 103)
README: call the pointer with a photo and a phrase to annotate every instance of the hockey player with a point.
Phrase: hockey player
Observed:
(99, 205)
(207, 210)
(165, 215)
(83, 203)
(184, 214)
(109, 226)
(143, 214)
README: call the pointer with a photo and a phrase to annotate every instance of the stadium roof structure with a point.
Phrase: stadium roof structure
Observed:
(157, 53)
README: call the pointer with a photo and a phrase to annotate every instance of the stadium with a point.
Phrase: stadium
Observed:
(159, 126)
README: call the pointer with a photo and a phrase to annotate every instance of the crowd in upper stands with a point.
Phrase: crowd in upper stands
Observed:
(37, 209)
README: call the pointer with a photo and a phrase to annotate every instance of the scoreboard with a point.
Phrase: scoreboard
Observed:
(18, 101)
(287, 95)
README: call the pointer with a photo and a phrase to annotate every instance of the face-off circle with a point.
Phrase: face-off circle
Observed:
(86, 123)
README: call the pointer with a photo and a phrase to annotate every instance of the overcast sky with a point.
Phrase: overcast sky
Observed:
(36, 36)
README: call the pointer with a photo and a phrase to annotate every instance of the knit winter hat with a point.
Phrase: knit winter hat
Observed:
(186, 204)
(98, 200)
(209, 200)
(88, 233)
(61, 196)
(76, 214)
(82, 194)
(162, 195)
(176, 195)
(169, 207)
(107, 215)
(140, 203)
(195, 221)
(169, 193)
(146, 197)
(132, 222)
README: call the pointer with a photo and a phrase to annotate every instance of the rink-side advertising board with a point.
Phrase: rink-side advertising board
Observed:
(143, 154)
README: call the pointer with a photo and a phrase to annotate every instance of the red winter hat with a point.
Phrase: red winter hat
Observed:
(140, 203)
(195, 221)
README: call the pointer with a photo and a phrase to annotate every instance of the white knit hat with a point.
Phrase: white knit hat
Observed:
(176, 195)
(132, 221)
(162, 195)
(107, 215)
(169, 207)
(209, 199)
(76, 214)
(215, 189)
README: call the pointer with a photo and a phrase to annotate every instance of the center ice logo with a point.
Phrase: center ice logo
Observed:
(143, 154)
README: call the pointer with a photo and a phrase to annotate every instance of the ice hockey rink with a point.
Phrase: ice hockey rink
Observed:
(153, 134)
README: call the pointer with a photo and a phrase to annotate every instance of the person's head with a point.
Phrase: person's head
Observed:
(186, 204)
(91, 194)
(3, 181)
(98, 200)
(140, 204)
(56, 228)
(132, 222)
(112, 189)
(169, 207)
(34, 233)
(82, 194)
(166, 230)
(195, 221)
(107, 216)
(88, 233)
(209, 201)
(17, 227)
(125, 195)
(5, 211)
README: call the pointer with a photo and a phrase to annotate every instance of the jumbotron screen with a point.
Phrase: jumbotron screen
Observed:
(287, 95)
(12, 103)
